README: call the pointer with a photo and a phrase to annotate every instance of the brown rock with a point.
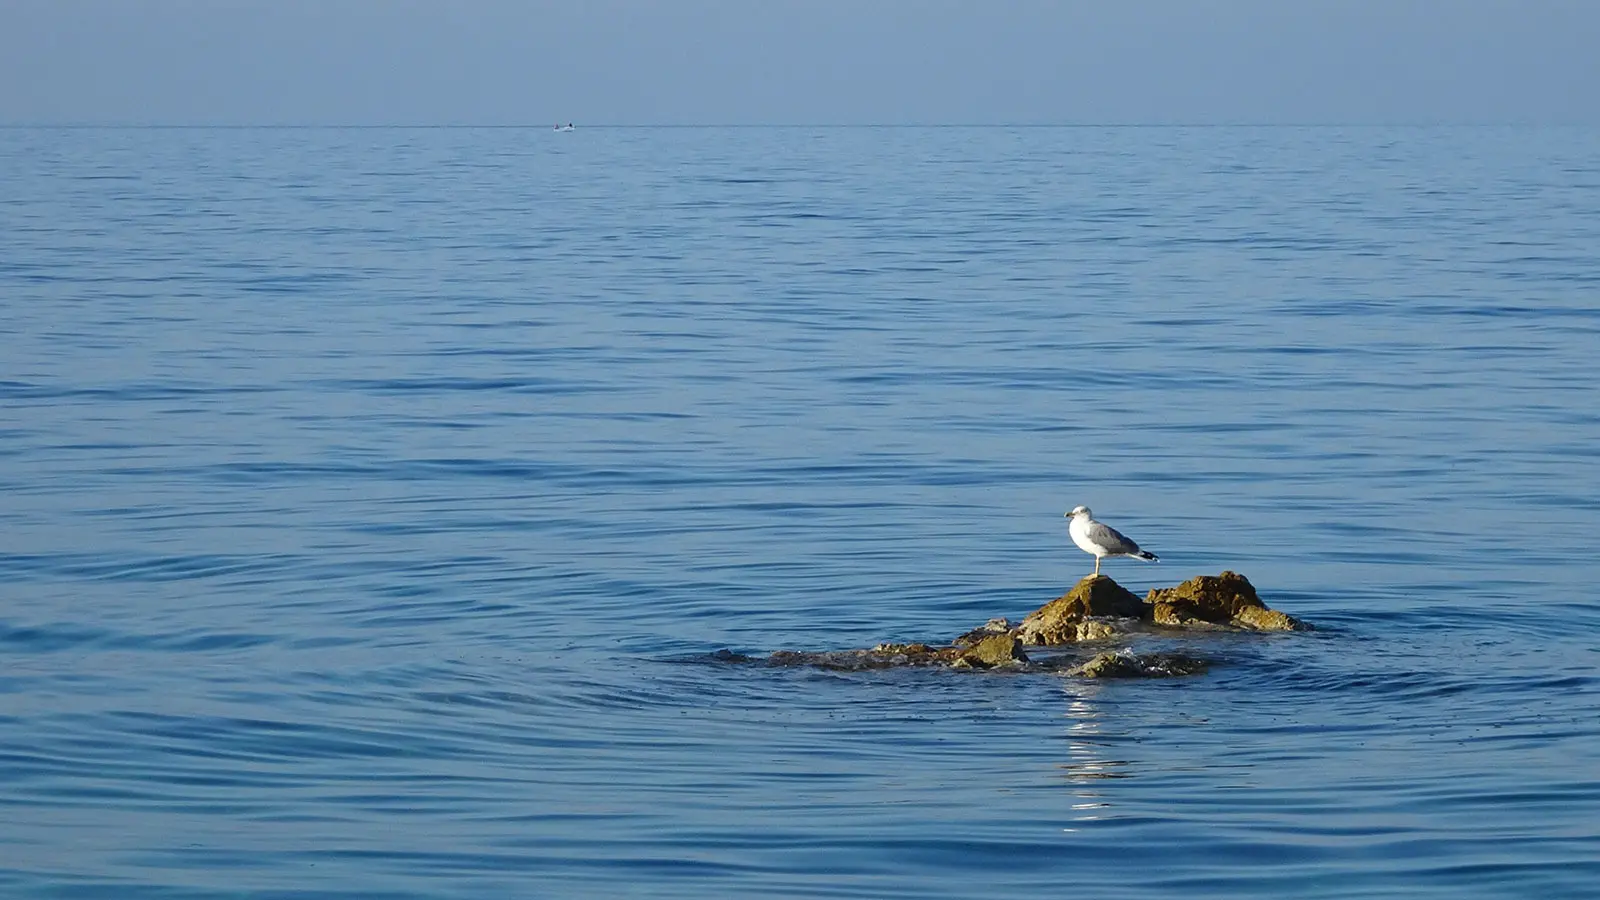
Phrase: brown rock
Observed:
(1172, 616)
(1267, 620)
(912, 654)
(1057, 622)
(1095, 630)
(1095, 609)
(991, 652)
(1227, 599)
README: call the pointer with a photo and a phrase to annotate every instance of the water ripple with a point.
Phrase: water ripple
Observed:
(367, 488)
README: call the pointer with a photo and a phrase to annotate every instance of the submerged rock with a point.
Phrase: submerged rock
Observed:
(728, 656)
(1212, 600)
(1122, 664)
(1000, 650)
(883, 656)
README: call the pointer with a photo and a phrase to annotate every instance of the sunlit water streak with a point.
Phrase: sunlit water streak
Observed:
(373, 497)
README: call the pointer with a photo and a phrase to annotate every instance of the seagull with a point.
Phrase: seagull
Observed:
(1101, 540)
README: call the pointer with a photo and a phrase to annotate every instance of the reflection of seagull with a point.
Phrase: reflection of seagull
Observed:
(1101, 540)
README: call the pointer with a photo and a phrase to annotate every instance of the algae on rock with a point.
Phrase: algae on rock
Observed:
(994, 651)
(1228, 599)
(1150, 665)
(1097, 608)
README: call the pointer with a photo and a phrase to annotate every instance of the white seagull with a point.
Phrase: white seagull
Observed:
(1102, 540)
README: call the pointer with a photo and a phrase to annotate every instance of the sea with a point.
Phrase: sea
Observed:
(377, 504)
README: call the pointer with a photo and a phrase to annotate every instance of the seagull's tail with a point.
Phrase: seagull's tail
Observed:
(1147, 556)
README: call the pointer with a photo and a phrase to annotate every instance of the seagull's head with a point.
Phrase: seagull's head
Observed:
(1078, 511)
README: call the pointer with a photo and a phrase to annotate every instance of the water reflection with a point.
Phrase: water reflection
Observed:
(1087, 760)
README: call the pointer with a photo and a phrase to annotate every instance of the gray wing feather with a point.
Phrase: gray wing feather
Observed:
(1111, 539)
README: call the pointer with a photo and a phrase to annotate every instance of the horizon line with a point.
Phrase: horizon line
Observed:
(540, 125)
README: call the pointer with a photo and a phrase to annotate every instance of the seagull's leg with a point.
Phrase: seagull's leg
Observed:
(1097, 567)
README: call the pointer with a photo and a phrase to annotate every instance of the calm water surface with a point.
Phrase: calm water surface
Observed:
(372, 498)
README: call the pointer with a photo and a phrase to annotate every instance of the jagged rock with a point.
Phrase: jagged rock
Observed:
(993, 651)
(1212, 600)
(1096, 630)
(1095, 609)
(1122, 664)
(1058, 621)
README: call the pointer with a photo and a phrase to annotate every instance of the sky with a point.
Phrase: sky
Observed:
(748, 62)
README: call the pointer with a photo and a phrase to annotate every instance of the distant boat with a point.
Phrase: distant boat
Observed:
(566, 127)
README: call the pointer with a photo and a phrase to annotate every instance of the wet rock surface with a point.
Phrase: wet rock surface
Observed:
(883, 656)
(1097, 609)
(994, 651)
(1123, 664)
(1228, 599)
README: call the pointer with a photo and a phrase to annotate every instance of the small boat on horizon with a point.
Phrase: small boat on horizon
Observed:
(566, 127)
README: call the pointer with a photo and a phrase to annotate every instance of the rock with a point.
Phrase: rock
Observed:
(1000, 651)
(1169, 616)
(883, 656)
(1095, 609)
(912, 655)
(1095, 630)
(800, 658)
(1058, 621)
(1264, 619)
(993, 626)
(903, 649)
(993, 651)
(1122, 664)
(728, 656)
(1212, 600)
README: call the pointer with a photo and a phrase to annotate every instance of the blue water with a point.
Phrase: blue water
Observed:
(372, 498)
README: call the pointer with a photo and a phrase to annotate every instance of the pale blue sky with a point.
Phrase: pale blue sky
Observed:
(798, 61)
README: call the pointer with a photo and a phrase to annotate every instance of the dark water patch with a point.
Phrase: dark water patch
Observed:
(61, 637)
(406, 386)
(135, 568)
(49, 638)
(131, 392)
